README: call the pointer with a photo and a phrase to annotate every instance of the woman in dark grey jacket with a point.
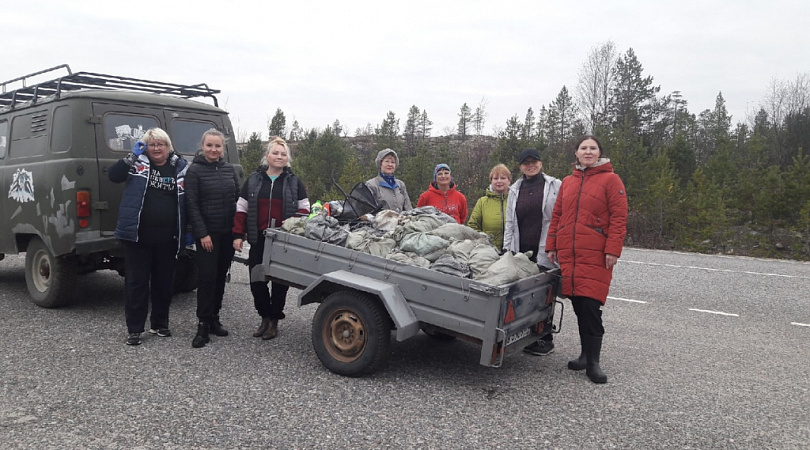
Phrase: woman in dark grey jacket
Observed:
(212, 188)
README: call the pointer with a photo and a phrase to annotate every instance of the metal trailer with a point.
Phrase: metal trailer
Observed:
(363, 297)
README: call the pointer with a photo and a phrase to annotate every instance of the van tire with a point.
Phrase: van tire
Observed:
(50, 280)
(351, 333)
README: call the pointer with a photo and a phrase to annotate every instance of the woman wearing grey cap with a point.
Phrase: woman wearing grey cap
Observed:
(389, 192)
(528, 215)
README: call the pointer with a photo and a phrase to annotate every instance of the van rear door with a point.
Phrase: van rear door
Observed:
(186, 129)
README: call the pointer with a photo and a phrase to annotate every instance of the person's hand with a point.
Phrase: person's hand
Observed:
(610, 260)
(138, 148)
(207, 244)
(237, 244)
(552, 256)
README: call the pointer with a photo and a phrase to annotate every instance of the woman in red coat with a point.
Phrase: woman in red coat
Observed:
(443, 195)
(585, 238)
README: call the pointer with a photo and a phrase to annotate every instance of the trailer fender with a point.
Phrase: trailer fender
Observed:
(389, 294)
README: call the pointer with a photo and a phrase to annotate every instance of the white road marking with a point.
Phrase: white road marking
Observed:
(627, 300)
(800, 324)
(709, 269)
(721, 313)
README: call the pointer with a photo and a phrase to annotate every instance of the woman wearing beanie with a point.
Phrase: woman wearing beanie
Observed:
(389, 192)
(442, 195)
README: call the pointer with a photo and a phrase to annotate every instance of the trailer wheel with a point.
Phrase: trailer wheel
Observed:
(351, 333)
(50, 280)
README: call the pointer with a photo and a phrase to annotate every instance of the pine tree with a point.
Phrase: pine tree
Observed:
(632, 96)
(464, 119)
(528, 125)
(479, 117)
(386, 135)
(425, 126)
(278, 125)
(411, 133)
(251, 156)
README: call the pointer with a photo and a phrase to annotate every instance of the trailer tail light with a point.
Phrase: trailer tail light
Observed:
(510, 313)
(83, 207)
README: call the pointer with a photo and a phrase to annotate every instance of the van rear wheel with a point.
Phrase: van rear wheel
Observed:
(351, 333)
(50, 280)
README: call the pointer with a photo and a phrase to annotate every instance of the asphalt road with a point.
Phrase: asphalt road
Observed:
(701, 352)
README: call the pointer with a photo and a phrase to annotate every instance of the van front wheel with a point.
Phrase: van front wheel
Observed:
(50, 280)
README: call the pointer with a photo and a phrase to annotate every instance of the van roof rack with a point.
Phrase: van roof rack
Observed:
(93, 81)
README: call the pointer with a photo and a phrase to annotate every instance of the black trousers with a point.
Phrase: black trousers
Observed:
(268, 305)
(589, 316)
(212, 269)
(524, 248)
(149, 272)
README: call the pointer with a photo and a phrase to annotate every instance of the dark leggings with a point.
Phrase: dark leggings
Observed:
(269, 306)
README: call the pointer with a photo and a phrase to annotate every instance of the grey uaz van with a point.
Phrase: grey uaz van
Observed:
(57, 140)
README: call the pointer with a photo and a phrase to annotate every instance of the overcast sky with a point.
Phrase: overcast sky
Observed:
(356, 60)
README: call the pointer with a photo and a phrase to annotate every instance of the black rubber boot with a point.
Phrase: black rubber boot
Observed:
(582, 362)
(202, 337)
(262, 328)
(217, 328)
(592, 351)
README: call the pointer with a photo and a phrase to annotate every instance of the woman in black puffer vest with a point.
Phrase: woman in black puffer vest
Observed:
(212, 188)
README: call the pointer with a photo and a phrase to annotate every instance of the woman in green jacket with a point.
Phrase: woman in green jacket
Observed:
(490, 210)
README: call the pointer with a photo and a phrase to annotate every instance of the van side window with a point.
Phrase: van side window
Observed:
(186, 135)
(3, 138)
(121, 131)
(29, 135)
(62, 133)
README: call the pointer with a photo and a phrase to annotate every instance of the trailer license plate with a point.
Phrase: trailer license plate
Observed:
(517, 336)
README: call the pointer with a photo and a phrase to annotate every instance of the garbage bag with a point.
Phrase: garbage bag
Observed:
(422, 243)
(451, 266)
(507, 269)
(326, 229)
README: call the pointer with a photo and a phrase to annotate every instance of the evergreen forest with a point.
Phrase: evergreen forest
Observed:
(695, 181)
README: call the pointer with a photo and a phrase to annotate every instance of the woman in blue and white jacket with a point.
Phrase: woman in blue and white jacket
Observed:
(151, 224)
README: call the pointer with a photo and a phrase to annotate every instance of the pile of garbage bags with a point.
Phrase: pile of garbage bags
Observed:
(423, 237)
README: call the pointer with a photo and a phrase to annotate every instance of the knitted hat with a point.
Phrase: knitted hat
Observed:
(382, 154)
(439, 167)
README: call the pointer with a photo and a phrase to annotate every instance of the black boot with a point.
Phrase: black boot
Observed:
(262, 328)
(592, 351)
(581, 362)
(272, 330)
(202, 337)
(217, 328)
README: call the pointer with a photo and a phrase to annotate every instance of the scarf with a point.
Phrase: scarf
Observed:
(390, 180)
